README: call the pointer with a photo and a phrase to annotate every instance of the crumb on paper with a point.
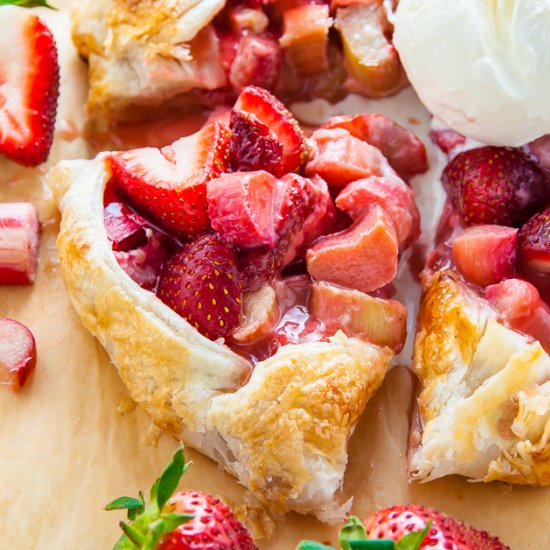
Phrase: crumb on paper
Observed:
(414, 120)
(125, 406)
(504, 488)
(255, 517)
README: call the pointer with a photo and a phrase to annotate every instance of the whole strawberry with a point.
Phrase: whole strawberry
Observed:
(410, 527)
(494, 185)
(534, 243)
(187, 520)
(201, 283)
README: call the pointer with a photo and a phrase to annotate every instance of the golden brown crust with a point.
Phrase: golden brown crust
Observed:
(146, 53)
(284, 433)
(485, 399)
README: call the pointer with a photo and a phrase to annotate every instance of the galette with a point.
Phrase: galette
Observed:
(241, 281)
(481, 350)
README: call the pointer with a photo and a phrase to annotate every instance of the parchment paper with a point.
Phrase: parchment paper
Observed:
(71, 441)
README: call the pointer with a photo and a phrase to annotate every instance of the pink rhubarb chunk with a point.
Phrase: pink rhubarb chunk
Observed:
(17, 354)
(340, 158)
(393, 195)
(363, 257)
(522, 309)
(486, 254)
(241, 209)
(19, 230)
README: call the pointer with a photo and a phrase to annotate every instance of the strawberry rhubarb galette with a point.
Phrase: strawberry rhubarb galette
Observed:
(241, 280)
(145, 55)
(481, 350)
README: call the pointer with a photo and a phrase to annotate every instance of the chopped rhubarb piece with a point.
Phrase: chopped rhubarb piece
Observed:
(305, 38)
(534, 243)
(340, 158)
(521, 308)
(257, 62)
(245, 19)
(382, 322)
(170, 184)
(370, 57)
(390, 193)
(447, 139)
(297, 201)
(259, 317)
(486, 254)
(322, 219)
(17, 354)
(125, 229)
(405, 152)
(253, 145)
(241, 209)
(142, 264)
(363, 257)
(269, 110)
(19, 230)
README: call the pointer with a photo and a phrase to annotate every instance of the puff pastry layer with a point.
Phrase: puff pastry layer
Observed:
(147, 52)
(282, 428)
(485, 399)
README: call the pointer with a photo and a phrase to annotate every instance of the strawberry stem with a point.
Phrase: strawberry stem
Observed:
(147, 523)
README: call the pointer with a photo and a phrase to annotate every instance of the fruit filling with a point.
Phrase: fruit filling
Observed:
(495, 229)
(261, 237)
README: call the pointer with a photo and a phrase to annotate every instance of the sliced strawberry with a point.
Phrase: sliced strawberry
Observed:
(486, 254)
(17, 354)
(257, 62)
(269, 110)
(521, 308)
(125, 228)
(170, 184)
(29, 87)
(322, 219)
(390, 193)
(296, 202)
(447, 140)
(19, 230)
(253, 145)
(404, 151)
(494, 185)
(201, 283)
(241, 209)
(363, 257)
(534, 243)
(382, 322)
(540, 151)
(339, 158)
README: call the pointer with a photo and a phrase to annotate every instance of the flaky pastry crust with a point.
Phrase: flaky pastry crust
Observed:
(282, 428)
(485, 399)
(147, 52)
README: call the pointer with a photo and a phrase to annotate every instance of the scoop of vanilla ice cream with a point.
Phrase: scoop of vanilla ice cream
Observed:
(480, 66)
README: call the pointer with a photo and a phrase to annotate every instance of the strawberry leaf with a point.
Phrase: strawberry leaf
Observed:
(413, 540)
(27, 3)
(124, 503)
(379, 544)
(168, 481)
(353, 530)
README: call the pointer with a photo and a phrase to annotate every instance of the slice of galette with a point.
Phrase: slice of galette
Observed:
(144, 55)
(240, 280)
(481, 350)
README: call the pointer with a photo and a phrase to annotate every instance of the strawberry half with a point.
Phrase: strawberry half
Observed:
(494, 185)
(410, 527)
(284, 127)
(534, 243)
(170, 184)
(187, 520)
(201, 283)
(253, 145)
(29, 87)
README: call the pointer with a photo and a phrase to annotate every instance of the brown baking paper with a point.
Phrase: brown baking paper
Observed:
(71, 440)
